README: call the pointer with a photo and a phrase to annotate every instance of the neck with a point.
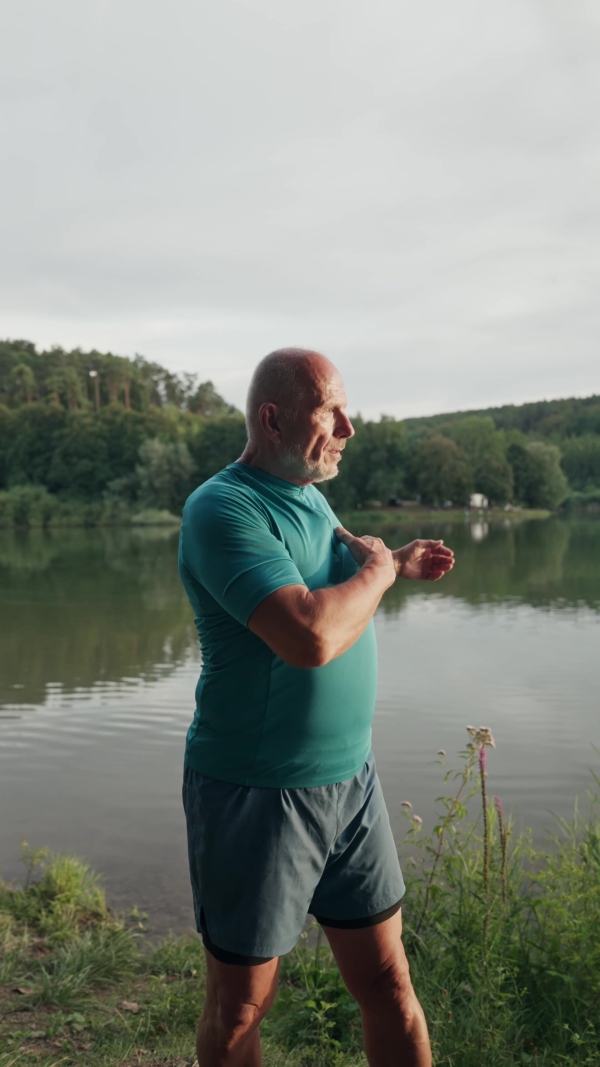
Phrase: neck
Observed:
(270, 463)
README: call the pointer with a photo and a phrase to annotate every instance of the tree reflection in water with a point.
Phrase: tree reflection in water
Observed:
(88, 606)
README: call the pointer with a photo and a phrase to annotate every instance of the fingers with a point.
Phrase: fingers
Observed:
(347, 538)
(438, 568)
(438, 551)
(344, 535)
(438, 548)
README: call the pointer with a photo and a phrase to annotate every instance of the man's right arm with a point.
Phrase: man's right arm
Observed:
(308, 629)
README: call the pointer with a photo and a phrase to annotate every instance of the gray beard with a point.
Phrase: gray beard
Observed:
(296, 464)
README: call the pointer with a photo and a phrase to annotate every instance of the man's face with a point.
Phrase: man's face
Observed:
(314, 434)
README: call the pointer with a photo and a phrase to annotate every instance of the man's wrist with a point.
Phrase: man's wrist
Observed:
(377, 572)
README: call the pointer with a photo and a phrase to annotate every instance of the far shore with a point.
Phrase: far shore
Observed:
(420, 513)
(373, 517)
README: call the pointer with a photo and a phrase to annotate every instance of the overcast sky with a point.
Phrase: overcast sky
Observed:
(411, 186)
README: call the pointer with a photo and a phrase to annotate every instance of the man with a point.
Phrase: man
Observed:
(284, 809)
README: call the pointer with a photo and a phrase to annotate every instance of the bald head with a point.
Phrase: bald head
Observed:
(296, 417)
(285, 378)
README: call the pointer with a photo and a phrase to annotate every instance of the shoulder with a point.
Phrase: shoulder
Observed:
(222, 503)
(223, 492)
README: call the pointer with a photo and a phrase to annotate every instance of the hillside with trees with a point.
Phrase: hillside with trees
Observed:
(96, 437)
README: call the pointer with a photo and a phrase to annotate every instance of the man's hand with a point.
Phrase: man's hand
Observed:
(370, 552)
(423, 560)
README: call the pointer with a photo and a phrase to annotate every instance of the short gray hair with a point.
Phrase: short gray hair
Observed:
(279, 378)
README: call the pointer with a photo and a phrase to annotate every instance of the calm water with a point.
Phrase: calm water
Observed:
(98, 662)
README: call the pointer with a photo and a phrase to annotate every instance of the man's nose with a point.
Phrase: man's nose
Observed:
(344, 427)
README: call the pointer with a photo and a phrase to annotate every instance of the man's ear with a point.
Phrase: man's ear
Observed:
(268, 416)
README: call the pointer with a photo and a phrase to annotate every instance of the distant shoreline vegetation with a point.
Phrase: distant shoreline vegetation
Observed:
(90, 438)
(33, 507)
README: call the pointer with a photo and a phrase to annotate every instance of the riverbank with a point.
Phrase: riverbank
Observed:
(504, 944)
(33, 506)
(370, 519)
(30, 507)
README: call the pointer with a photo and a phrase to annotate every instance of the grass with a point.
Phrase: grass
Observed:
(503, 939)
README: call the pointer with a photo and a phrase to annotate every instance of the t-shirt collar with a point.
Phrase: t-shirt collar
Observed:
(267, 479)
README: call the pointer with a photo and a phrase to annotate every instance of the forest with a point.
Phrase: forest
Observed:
(97, 437)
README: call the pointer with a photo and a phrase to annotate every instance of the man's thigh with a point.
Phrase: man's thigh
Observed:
(362, 882)
(261, 858)
(256, 856)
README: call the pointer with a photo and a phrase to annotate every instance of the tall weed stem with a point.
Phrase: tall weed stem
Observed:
(503, 831)
(486, 844)
(441, 828)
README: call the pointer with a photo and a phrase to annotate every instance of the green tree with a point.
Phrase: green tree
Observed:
(31, 435)
(80, 463)
(12, 355)
(22, 383)
(581, 461)
(164, 474)
(485, 449)
(441, 471)
(549, 486)
(64, 386)
(113, 376)
(539, 479)
(206, 401)
(217, 442)
(6, 437)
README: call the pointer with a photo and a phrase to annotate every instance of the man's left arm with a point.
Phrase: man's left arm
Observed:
(421, 560)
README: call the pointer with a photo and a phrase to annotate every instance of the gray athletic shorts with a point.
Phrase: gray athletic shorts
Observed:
(261, 859)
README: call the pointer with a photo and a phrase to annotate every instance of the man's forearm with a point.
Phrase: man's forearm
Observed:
(339, 614)
(308, 629)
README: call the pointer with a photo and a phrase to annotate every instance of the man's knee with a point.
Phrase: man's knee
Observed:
(390, 989)
(230, 1018)
(234, 1021)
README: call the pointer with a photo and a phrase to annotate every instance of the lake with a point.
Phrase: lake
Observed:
(99, 659)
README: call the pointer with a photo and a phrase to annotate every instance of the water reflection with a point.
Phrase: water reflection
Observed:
(81, 607)
(551, 563)
(479, 530)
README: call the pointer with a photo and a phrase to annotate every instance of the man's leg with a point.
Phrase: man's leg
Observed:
(237, 998)
(374, 967)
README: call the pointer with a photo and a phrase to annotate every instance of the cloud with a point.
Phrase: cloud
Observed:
(411, 186)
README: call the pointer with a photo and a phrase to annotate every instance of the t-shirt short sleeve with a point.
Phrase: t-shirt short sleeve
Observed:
(230, 548)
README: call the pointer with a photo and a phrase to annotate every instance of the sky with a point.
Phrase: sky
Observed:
(412, 187)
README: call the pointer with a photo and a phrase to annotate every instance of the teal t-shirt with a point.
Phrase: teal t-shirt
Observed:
(258, 720)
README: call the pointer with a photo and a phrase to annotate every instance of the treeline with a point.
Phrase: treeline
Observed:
(116, 436)
(392, 459)
(80, 381)
(552, 419)
(95, 436)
